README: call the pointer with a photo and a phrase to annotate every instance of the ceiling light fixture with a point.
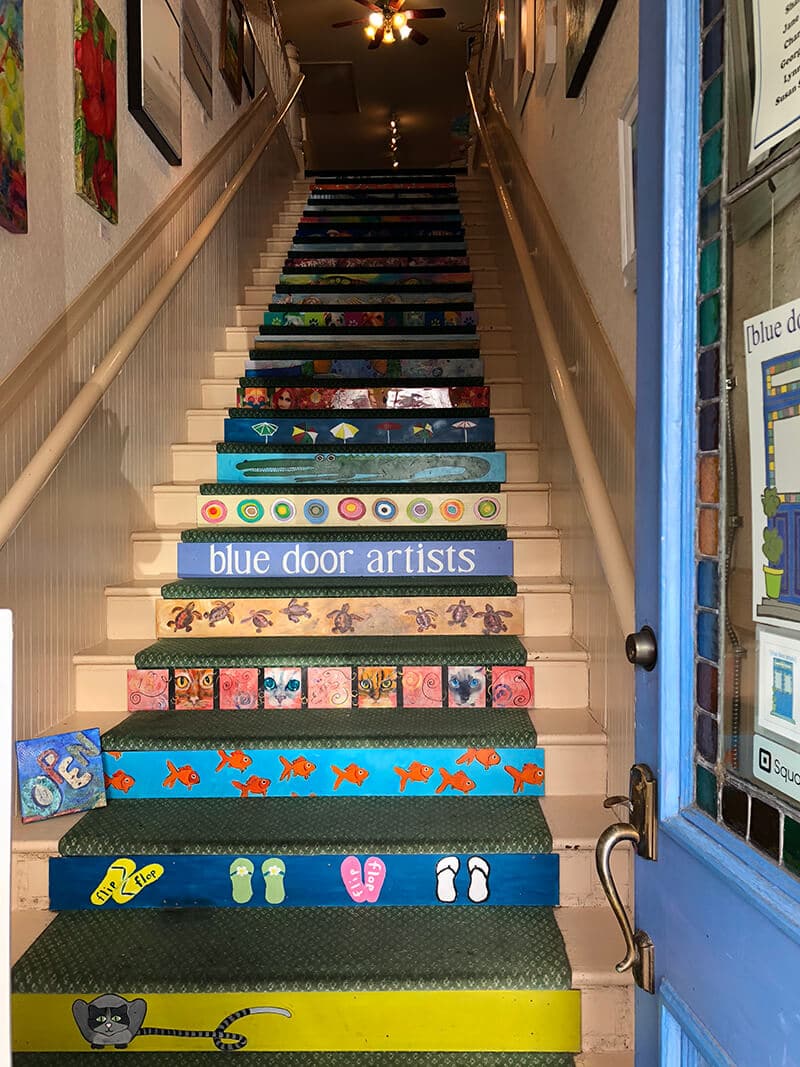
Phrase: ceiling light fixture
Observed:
(376, 19)
(394, 138)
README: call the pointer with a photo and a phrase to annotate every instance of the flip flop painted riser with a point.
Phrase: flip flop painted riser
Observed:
(335, 687)
(347, 1020)
(283, 398)
(361, 468)
(283, 616)
(353, 366)
(309, 881)
(400, 430)
(378, 510)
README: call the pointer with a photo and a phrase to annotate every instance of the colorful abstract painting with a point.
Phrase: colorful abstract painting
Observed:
(60, 775)
(96, 108)
(13, 183)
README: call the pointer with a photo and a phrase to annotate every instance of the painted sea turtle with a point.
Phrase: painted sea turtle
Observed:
(343, 620)
(460, 612)
(259, 619)
(184, 617)
(493, 620)
(220, 610)
(296, 611)
(424, 618)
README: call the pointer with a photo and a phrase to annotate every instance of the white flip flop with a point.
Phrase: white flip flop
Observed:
(478, 868)
(446, 871)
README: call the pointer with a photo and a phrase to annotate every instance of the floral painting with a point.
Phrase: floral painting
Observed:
(13, 187)
(96, 108)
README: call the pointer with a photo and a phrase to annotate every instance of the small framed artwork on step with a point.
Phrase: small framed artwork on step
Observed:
(154, 73)
(232, 47)
(248, 57)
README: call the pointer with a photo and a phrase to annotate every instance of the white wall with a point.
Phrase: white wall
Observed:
(69, 242)
(570, 147)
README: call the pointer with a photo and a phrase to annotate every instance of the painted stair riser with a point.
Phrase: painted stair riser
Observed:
(361, 468)
(387, 280)
(321, 1020)
(326, 344)
(337, 559)
(275, 323)
(321, 260)
(372, 510)
(353, 398)
(374, 431)
(329, 687)
(284, 616)
(349, 366)
(376, 772)
(281, 880)
(391, 301)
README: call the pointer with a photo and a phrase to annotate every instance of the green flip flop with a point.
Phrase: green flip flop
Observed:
(242, 880)
(273, 871)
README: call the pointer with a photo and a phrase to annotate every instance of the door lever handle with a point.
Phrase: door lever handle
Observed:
(609, 839)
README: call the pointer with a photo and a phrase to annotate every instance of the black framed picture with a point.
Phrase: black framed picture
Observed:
(230, 58)
(249, 57)
(154, 73)
(586, 23)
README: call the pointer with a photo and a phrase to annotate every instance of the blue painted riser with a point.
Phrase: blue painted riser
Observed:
(379, 431)
(308, 881)
(340, 559)
(336, 772)
(362, 468)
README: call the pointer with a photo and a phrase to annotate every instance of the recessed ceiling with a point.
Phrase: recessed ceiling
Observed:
(423, 86)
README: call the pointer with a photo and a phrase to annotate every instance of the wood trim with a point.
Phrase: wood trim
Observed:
(53, 343)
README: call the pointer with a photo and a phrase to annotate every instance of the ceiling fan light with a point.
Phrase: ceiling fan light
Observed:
(370, 32)
(400, 19)
(376, 19)
(405, 32)
(388, 37)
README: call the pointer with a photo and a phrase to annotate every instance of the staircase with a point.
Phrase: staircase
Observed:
(368, 641)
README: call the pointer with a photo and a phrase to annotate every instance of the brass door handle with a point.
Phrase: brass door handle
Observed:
(606, 843)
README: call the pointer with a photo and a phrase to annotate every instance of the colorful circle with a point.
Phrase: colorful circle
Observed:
(419, 510)
(283, 510)
(350, 507)
(315, 511)
(452, 510)
(384, 509)
(250, 510)
(214, 511)
(487, 507)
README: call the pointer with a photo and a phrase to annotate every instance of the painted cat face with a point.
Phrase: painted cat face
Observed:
(377, 687)
(283, 687)
(466, 687)
(108, 1021)
(194, 689)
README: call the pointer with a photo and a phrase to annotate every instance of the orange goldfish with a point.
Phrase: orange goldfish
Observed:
(119, 780)
(114, 755)
(300, 768)
(416, 772)
(487, 757)
(254, 785)
(237, 761)
(459, 781)
(352, 773)
(186, 775)
(531, 774)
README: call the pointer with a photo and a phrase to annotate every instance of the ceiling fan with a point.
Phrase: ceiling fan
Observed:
(388, 22)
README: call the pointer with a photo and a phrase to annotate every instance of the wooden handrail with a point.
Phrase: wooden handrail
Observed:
(614, 557)
(52, 450)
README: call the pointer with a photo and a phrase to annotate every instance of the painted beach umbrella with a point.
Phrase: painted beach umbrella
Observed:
(387, 428)
(423, 430)
(464, 425)
(304, 435)
(345, 431)
(265, 429)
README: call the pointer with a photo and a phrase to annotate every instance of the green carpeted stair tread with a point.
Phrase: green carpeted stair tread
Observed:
(317, 488)
(323, 728)
(246, 448)
(247, 588)
(323, 948)
(310, 1059)
(419, 651)
(291, 826)
(205, 534)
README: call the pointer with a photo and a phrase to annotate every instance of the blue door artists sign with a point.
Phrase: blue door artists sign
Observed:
(266, 880)
(359, 559)
(373, 431)
(343, 468)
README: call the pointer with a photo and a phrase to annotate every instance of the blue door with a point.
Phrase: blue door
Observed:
(722, 902)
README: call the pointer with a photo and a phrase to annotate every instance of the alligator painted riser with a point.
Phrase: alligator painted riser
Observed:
(362, 468)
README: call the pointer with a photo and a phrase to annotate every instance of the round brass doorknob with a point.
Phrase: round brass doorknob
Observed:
(641, 648)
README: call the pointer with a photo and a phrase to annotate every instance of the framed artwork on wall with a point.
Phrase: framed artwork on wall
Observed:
(525, 52)
(95, 81)
(198, 64)
(232, 47)
(154, 74)
(585, 25)
(13, 182)
(628, 158)
(546, 44)
(248, 57)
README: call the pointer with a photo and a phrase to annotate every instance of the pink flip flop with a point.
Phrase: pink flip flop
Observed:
(351, 877)
(374, 876)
